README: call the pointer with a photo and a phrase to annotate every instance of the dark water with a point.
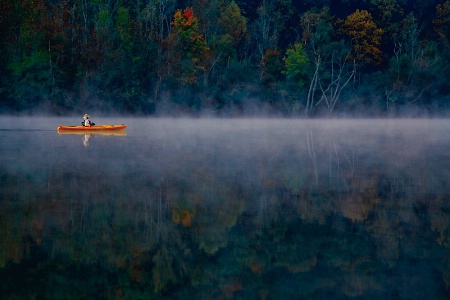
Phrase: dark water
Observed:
(226, 209)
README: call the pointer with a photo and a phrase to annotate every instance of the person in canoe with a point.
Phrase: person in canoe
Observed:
(86, 121)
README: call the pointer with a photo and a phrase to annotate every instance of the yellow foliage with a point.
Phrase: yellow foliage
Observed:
(358, 207)
(365, 36)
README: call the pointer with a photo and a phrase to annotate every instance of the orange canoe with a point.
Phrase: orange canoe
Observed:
(93, 128)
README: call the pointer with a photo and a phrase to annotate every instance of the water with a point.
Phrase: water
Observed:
(225, 209)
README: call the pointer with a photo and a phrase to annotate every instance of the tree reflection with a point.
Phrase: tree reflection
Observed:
(318, 214)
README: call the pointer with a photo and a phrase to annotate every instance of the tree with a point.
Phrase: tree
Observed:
(365, 37)
(155, 27)
(232, 22)
(388, 12)
(271, 66)
(8, 20)
(208, 12)
(296, 64)
(413, 67)
(123, 25)
(31, 61)
(187, 46)
(267, 26)
(330, 60)
(442, 22)
(317, 27)
(224, 43)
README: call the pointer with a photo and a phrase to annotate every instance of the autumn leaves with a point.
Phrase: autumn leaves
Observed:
(192, 53)
(365, 37)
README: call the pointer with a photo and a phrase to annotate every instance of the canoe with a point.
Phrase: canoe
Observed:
(93, 128)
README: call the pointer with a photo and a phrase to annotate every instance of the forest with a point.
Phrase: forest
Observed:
(225, 57)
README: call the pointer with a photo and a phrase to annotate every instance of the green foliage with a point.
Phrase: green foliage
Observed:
(296, 64)
(33, 80)
(232, 22)
(102, 19)
(388, 12)
(162, 273)
(317, 27)
(224, 45)
(211, 243)
(36, 61)
(123, 24)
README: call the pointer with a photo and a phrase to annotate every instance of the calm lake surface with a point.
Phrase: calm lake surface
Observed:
(225, 209)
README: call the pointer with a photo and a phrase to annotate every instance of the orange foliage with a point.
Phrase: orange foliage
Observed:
(186, 218)
(184, 21)
(188, 45)
(361, 199)
(365, 36)
(183, 217)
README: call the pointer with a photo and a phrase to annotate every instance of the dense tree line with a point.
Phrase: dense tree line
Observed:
(224, 56)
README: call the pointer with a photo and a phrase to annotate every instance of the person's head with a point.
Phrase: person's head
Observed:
(86, 116)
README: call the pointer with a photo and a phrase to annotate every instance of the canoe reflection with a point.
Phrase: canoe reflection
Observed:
(87, 136)
(73, 132)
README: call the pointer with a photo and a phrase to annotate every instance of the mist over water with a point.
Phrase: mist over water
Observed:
(226, 208)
